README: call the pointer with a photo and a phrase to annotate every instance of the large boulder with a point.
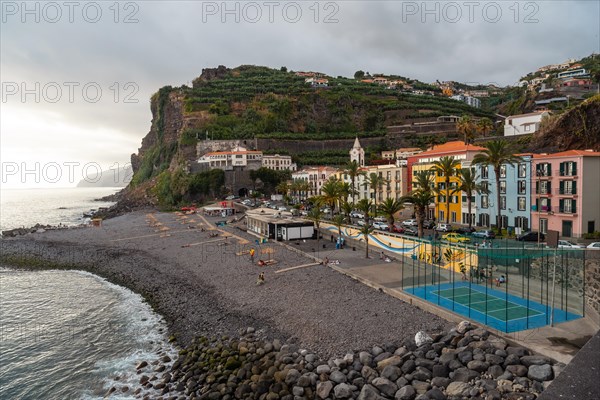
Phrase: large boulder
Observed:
(458, 389)
(342, 391)
(324, 388)
(540, 373)
(422, 338)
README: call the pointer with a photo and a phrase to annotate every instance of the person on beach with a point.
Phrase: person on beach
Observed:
(261, 263)
(252, 255)
(500, 280)
(325, 261)
(261, 279)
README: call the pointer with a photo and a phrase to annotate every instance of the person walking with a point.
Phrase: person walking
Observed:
(252, 251)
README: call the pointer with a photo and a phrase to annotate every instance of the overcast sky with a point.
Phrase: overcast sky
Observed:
(77, 77)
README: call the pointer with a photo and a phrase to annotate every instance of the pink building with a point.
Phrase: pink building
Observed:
(567, 192)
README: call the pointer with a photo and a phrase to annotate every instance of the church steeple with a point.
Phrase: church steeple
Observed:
(357, 153)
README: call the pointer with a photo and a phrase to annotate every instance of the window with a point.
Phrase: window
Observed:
(568, 187)
(485, 186)
(484, 202)
(454, 200)
(503, 187)
(453, 216)
(543, 169)
(567, 206)
(527, 128)
(543, 187)
(522, 170)
(522, 187)
(503, 171)
(568, 168)
(521, 203)
(484, 219)
(441, 186)
(503, 202)
(441, 215)
(543, 225)
(522, 222)
(543, 204)
(484, 172)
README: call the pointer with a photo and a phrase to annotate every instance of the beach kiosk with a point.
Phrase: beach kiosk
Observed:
(278, 225)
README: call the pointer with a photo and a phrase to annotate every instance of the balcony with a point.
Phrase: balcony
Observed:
(543, 209)
(566, 192)
(570, 174)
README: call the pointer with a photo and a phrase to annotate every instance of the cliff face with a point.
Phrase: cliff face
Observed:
(577, 129)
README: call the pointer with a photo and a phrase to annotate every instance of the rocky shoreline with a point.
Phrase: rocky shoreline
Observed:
(464, 363)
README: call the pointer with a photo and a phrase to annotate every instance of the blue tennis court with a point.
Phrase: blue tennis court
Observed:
(495, 308)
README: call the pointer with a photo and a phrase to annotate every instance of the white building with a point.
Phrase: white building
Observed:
(315, 176)
(400, 154)
(523, 124)
(278, 163)
(472, 101)
(237, 157)
(357, 153)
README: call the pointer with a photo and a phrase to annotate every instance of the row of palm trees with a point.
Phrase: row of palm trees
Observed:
(495, 154)
(335, 192)
(469, 128)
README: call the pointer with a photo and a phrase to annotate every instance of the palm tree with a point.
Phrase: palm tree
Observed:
(446, 167)
(389, 208)
(468, 184)
(421, 196)
(338, 221)
(375, 182)
(316, 216)
(303, 187)
(484, 125)
(420, 199)
(347, 208)
(496, 154)
(365, 206)
(283, 188)
(353, 171)
(331, 192)
(466, 126)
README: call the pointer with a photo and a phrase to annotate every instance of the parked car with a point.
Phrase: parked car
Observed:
(530, 237)
(397, 229)
(485, 234)
(282, 208)
(428, 224)
(410, 222)
(380, 225)
(455, 238)
(304, 213)
(232, 197)
(465, 230)
(379, 219)
(594, 246)
(565, 244)
(443, 227)
(356, 214)
(411, 232)
(360, 222)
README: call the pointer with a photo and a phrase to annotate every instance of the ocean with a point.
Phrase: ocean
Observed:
(27, 207)
(69, 334)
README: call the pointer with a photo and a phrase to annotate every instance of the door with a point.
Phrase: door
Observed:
(591, 226)
(567, 228)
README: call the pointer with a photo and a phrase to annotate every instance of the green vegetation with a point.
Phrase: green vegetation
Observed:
(177, 187)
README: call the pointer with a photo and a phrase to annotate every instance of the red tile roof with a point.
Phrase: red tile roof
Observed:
(569, 153)
(450, 147)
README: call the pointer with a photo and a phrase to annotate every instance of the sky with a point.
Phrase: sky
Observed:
(77, 76)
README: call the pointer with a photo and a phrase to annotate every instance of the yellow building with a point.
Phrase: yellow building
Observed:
(424, 162)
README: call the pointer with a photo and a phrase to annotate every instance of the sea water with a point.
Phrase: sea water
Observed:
(27, 207)
(69, 334)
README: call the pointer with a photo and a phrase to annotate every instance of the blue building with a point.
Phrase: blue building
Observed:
(515, 195)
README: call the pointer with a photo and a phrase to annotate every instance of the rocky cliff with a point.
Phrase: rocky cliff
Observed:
(576, 129)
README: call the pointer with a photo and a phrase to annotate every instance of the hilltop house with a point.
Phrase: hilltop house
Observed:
(523, 124)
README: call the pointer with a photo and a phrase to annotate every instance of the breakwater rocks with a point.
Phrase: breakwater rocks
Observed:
(464, 363)
(37, 228)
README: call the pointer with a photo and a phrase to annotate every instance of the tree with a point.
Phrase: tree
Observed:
(446, 167)
(365, 207)
(331, 192)
(389, 208)
(466, 126)
(496, 154)
(359, 74)
(316, 216)
(353, 171)
(283, 188)
(468, 184)
(338, 221)
(421, 196)
(375, 182)
(347, 208)
(484, 126)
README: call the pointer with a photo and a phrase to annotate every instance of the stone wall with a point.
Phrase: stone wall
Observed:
(299, 146)
(592, 283)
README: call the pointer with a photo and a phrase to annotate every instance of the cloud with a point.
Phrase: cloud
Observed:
(172, 41)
